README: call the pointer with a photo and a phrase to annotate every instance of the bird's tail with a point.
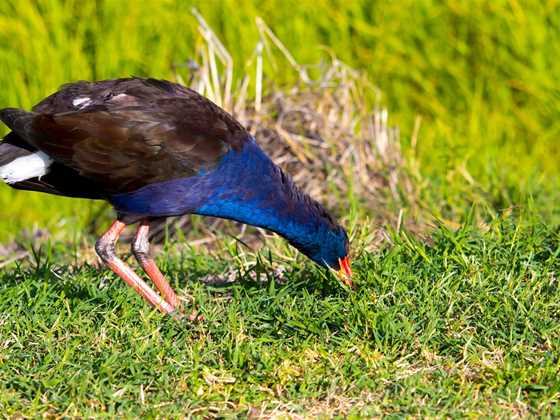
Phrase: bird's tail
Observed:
(19, 161)
(17, 120)
(12, 147)
(23, 167)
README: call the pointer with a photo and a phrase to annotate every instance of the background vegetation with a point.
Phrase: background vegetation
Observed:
(482, 76)
(466, 325)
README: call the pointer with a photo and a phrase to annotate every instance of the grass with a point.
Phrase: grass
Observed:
(465, 326)
(461, 323)
(479, 77)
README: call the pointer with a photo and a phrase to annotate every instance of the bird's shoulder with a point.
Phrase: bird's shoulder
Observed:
(157, 101)
(83, 95)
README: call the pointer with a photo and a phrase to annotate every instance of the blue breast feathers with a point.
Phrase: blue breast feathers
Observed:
(247, 187)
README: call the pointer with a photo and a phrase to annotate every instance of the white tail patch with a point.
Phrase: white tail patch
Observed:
(25, 167)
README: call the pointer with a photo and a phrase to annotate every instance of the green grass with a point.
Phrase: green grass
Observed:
(481, 75)
(466, 326)
(464, 323)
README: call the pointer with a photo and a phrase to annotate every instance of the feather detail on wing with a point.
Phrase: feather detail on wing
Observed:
(126, 137)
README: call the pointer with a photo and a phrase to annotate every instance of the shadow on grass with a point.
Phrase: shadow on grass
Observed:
(68, 280)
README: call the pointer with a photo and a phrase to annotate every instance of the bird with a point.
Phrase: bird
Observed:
(154, 149)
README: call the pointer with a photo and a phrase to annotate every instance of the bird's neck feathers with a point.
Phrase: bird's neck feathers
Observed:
(248, 187)
(253, 190)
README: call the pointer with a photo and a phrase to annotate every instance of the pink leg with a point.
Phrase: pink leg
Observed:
(140, 249)
(105, 248)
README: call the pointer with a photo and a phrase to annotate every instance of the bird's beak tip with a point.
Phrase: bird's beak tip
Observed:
(345, 272)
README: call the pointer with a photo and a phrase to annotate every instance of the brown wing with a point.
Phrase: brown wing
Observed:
(125, 148)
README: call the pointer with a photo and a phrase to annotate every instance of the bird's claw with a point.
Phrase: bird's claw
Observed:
(196, 317)
(193, 317)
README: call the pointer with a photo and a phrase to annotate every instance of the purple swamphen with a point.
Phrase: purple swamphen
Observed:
(153, 149)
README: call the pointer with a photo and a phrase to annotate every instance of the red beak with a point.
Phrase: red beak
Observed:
(345, 272)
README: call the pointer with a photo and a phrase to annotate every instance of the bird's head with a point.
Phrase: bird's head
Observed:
(330, 248)
(333, 254)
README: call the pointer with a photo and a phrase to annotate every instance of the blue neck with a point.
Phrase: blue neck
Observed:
(246, 186)
(251, 189)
